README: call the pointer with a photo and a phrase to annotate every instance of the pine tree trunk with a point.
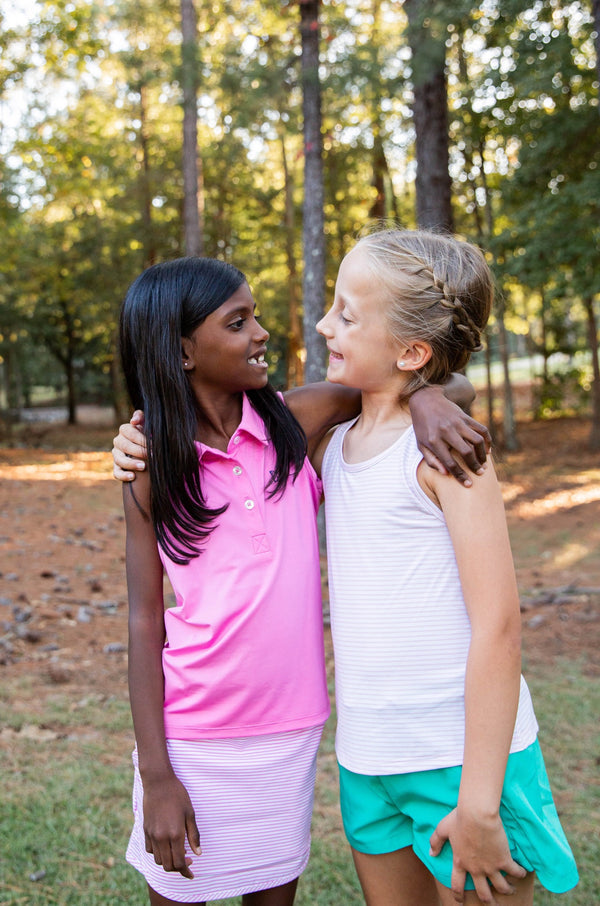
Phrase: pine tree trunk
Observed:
(593, 343)
(596, 14)
(313, 233)
(192, 235)
(149, 248)
(490, 387)
(120, 400)
(430, 116)
(71, 394)
(295, 364)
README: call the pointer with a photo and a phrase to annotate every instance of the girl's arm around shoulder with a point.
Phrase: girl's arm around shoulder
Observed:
(319, 407)
(449, 439)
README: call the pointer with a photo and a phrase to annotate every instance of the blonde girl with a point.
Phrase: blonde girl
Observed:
(444, 794)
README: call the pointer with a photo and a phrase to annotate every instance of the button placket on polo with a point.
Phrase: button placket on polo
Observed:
(253, 515)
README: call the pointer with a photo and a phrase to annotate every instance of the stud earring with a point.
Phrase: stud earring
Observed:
(401, 364)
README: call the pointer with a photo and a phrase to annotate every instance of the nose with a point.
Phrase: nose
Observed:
(261, 335)
(322, 326)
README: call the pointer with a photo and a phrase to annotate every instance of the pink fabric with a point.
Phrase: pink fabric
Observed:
(253, 801)
(244, 654)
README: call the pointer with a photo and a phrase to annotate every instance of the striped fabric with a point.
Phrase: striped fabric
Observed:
(400, 628)
(253, 801)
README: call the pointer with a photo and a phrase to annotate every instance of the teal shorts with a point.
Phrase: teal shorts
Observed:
(383, 813)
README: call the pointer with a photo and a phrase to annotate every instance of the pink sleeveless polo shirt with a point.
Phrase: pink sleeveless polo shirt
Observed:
(244, 651)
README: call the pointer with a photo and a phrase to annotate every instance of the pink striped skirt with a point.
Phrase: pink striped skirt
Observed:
(253, 799)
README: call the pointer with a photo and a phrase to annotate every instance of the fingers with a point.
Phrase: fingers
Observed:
(170, 853)
(124, 467)
(130, 440)
(129, 450)
(437, 839)
(432, 461)
(458, 884)
(193, 834)
(501, 884)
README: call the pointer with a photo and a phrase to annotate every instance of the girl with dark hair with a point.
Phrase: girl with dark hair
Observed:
(227, 687)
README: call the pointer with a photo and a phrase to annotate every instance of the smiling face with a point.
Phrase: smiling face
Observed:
(362, 352)
(226, 352)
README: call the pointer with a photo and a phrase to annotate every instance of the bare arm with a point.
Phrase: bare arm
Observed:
(450, 440)
(477, 526)
(318, 407)
(168, 812)
(443, 430)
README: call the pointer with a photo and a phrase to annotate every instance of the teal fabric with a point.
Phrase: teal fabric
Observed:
(384, 813)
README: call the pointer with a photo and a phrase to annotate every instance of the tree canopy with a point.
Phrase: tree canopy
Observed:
(93, 184)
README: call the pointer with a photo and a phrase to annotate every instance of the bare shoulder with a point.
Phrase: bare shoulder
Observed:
(452, 496)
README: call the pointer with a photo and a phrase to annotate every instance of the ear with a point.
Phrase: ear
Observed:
(187, 353)
(414, 356)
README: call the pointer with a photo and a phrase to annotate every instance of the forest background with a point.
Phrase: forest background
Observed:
(270, 134)
(300, 124)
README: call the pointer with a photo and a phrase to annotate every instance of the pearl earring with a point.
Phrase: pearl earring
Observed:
(401, 364)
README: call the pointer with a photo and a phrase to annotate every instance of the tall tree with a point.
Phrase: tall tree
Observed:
(192, 233)
(596, 14)
(427, 37)
(313, 284)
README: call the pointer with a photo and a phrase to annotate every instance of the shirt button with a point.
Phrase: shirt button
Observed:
(249, 504)
(236, 439)
(237, 470)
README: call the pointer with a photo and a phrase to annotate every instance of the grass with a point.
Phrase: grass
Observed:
(65, 813)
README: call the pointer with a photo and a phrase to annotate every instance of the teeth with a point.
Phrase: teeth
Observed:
(257, 360)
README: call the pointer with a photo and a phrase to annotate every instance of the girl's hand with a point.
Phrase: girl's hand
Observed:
(168, 819)
(129, 450)
(443, 429)
(480, 848)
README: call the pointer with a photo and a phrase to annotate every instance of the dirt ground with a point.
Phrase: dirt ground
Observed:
(63, 611)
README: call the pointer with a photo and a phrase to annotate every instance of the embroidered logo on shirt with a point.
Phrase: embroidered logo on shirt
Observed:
(260, 544)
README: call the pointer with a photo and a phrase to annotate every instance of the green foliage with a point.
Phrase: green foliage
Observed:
(91, 187)
(564, 391)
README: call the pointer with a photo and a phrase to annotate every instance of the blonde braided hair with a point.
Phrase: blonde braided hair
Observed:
(440, 292)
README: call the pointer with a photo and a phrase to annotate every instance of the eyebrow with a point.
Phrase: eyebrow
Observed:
(240, 310)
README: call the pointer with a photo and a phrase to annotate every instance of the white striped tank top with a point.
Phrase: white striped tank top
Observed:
(400, 628)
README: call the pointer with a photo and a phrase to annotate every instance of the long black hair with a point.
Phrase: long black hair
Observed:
(165, 303)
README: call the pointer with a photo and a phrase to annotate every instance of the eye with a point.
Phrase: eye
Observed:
(237, 324)
(344, 320)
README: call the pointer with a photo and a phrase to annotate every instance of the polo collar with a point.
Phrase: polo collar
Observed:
(251, 426)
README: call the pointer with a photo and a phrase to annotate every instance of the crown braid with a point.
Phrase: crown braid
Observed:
(438, 289)
(448, 299)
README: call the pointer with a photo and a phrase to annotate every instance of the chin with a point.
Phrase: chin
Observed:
(336, 378)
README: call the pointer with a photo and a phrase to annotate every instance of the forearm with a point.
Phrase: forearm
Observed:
(459, 390)
(318, 407)
(492, 688)
(146, 695)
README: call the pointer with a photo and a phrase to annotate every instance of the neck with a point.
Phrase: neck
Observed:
(218, 418)
(382, 411)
